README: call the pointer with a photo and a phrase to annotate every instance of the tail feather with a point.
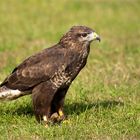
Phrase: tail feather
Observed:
(9, 94)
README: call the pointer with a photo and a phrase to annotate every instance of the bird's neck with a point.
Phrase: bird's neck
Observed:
(80, 48)
(84, 51)
(72, 44)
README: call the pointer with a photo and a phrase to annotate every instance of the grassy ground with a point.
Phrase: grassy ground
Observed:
(104, 101)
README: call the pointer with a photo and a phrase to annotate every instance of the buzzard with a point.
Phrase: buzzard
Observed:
(49, 73)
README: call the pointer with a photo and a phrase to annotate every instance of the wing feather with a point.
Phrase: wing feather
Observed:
(36, 69)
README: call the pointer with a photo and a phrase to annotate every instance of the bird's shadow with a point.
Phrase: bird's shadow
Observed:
(70, 108)
(78, 108)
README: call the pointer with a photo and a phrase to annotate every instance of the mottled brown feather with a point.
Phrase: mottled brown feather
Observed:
(50, 72)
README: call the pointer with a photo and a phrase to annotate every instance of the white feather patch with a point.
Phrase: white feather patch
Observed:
(10, 94)
(45, 118)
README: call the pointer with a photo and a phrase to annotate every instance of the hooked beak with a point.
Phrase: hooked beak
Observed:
(96, 37)
(93, 36)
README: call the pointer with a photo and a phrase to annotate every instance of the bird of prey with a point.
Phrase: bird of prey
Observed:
(48, 74)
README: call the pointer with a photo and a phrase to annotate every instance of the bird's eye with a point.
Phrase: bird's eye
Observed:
(84, 34)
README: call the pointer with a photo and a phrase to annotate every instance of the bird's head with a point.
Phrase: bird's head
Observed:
(80, 34)
(84, 34)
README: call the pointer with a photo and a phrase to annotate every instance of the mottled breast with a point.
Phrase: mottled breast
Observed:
(61, 78)
(64, 76)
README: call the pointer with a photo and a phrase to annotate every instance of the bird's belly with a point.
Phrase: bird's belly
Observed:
(61, 80)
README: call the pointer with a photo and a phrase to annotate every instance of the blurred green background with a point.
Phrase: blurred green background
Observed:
(104, 101)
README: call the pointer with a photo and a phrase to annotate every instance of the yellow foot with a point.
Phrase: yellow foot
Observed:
(60, 112)
(45, 119)
(57, 118)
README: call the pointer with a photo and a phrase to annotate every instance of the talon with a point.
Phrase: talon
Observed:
(54, 117)
(60, 112)
(45, 118)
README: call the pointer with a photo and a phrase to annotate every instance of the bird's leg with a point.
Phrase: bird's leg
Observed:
(60, 112)
(42, 97)
(60, 109)
(57, 115)
(58, 102)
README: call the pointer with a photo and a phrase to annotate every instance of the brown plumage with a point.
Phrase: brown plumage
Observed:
(48, 74)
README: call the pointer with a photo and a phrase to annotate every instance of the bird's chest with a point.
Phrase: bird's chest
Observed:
(79, 62)
(67, 73)
(76, 67)
(64, 76)
(61, 78)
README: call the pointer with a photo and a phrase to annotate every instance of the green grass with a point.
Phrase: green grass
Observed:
(104, 100)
